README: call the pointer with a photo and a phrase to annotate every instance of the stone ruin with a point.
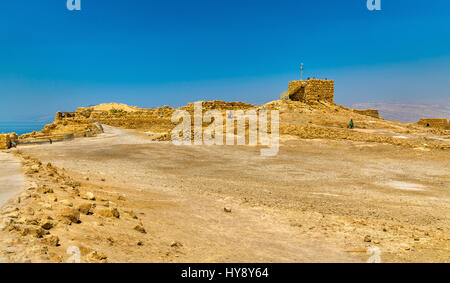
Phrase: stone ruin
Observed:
(438, 123)
(311, 91)
(6, 140)
(368, 112)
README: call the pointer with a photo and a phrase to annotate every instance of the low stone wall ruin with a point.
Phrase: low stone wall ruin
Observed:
(368, 112)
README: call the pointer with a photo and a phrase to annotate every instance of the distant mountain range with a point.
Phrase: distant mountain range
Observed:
(408, 112)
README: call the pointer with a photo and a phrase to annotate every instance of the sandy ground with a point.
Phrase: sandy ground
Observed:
(317, 201)
(11, 177)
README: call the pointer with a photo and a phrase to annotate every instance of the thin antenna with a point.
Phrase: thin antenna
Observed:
(301, 71)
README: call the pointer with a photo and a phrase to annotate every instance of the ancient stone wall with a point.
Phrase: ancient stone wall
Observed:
(438, 123)
(5, 142)
(368, 112)
(312, 91)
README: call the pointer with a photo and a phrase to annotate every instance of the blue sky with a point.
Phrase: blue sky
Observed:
(152, 53)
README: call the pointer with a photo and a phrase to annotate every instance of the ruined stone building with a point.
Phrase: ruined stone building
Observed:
(438, 123)
(368, 112)
(311, 90)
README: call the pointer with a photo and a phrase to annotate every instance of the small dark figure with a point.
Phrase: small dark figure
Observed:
(50, 141)
(351, 125)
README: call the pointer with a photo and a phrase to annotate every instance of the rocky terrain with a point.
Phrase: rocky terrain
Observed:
(127, 195)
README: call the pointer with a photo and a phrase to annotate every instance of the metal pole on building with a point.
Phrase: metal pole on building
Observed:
(301, 71)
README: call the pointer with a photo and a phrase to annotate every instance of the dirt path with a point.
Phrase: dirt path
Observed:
(11, 177)
(312, 203)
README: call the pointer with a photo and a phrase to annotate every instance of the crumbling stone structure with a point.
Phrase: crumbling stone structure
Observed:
(311, 91)
(5, 142)
(438, 123)
(368, 112)
(63, 115)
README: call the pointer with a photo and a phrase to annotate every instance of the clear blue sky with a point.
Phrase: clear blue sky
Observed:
(150, 53)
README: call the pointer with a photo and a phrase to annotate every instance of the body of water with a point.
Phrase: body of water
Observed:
(21, 127)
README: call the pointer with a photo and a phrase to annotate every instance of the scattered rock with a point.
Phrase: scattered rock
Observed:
(69, 216)
(24, 196)
(47, 224)
(110, 241)
(31, 230)
(227, 209)
(35, 196)
(76, 192)
(46, 205)
(140, 228)
(35, 168)
(86, 208)
(28, 211)
(30, 221)
(176, 244)
(45, 190)
(52, 198)
(405, 247)
(109, 212)
(88, 196)
(51, 241)
(367, 239)
(97, 257)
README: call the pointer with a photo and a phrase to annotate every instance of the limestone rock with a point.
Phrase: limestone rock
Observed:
(176, 244)
(51, 241)
(109, 212)
(35, 168)
(140, 228)
(86, 208)
(69, 215)
(45, 190)
(88, 196)
(52, 198)
(31, 230)
(47, 224)
(96, 257)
